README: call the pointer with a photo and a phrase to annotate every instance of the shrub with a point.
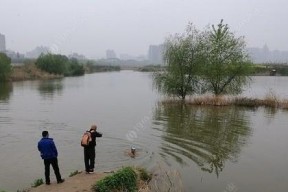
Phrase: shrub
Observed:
(52, 63)
(59, 64)
(123, 180)
(5, 67)
(74, 68)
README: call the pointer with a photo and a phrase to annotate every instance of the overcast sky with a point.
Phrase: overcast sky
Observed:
(90, 27)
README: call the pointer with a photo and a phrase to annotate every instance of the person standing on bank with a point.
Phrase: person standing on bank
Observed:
(49, 154)
(89, 151)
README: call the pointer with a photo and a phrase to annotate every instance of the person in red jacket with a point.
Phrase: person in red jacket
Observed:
(89, 151)
(49, 154)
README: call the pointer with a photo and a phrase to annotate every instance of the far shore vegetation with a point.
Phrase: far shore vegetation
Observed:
(211, 67)
(49, 66)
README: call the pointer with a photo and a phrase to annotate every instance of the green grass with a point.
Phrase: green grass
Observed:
(123, 180)
(74, 173)
(37, 182)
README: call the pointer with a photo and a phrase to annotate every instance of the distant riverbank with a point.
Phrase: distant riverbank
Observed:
(30, 72)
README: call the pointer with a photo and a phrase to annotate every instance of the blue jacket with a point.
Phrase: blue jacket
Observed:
(47, 148)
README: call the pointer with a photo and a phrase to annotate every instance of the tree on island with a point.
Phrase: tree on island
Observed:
(5, 67)
(227, 66)
(183, 55)
(213, 60)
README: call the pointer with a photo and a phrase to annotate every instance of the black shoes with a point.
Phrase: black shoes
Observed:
(61, 181)
(90, 171)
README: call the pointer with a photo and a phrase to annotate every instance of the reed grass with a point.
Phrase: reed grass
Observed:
(30, 72)
(270, 100)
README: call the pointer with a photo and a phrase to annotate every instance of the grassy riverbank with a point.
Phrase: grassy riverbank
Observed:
(125, 179)
(30, 72)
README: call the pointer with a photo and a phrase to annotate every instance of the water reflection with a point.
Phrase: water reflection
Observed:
(208, 136)
(5, 91)
(49, 88)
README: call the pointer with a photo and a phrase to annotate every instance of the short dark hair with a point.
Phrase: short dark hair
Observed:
(44, 133)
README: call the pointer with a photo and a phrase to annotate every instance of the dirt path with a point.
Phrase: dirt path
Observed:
(81, 182)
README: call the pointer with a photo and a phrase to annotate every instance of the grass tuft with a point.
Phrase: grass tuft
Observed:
(37, 182)
(74, 173)
(143, 174)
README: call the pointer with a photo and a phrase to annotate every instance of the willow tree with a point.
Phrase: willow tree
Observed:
(227, 65)
(182, 57)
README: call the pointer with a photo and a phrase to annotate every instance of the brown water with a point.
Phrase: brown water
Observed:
(213, 148)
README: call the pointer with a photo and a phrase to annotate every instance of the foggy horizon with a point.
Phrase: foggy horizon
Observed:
(129, 26)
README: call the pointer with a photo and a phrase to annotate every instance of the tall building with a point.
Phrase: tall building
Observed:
(264, 55)
(110, 54)
(155, 54)
(77, 56)
(2, 43)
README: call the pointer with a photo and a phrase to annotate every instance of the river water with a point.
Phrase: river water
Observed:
(225, 149)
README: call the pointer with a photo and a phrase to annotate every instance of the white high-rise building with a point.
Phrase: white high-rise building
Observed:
(2, 43)
(155, 54)
(110, 54)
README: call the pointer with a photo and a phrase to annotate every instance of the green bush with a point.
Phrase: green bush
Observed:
(74, 68)
(52, 63)
(123, 180)
(5, 67)
(59, 64)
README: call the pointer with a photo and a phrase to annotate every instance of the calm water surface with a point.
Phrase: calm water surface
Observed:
(212, 148)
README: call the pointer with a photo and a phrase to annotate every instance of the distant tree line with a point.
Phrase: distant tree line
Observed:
(94, 66)
(59, 64)
(213, 60)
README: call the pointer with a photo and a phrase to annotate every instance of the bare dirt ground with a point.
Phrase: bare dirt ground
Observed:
(81, 182)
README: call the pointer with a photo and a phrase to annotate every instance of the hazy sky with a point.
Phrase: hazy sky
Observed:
(90, 27)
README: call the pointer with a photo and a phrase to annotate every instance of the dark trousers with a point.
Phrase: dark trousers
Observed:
(89, 158)
(54, 163)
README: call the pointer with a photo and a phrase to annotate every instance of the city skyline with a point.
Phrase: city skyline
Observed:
(153, 55)
(129, 26)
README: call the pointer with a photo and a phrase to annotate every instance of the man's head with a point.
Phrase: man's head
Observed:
(93, 127)
(45, 134)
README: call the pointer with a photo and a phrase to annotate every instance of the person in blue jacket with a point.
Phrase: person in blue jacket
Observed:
(49, 154)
